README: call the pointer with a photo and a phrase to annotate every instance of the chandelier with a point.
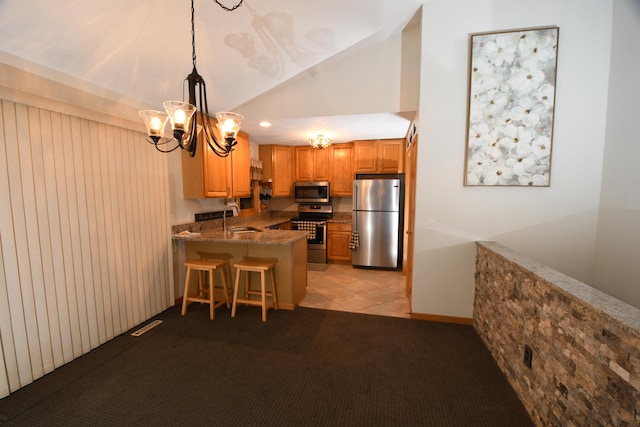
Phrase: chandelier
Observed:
(319, 142)
(189, 119)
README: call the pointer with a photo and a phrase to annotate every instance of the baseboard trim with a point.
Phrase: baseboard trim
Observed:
(442, 319)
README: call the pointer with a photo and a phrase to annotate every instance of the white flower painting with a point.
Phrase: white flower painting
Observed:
(512, 78)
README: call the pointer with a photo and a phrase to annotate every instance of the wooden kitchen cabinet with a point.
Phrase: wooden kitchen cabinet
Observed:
(379, 156)
(278, 168)
(208, 175)
(338, 239)
(241, 167)
(366, 156)
(341, 170)
(311, 164)
(285, 225)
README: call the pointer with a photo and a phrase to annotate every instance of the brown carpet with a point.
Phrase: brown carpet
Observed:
(305, 367)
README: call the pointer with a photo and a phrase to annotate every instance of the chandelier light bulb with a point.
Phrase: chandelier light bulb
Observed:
(155, 127)
(227, 127)
(178, 119)
(228, 124)
(154, 121)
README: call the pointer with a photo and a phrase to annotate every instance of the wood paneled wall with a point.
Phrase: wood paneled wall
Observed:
(85, 241)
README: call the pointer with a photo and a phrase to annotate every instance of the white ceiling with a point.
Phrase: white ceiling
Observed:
(142, 49)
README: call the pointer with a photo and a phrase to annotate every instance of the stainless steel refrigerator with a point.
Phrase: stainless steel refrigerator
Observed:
(377, 222)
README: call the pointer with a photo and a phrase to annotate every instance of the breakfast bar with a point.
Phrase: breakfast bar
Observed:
(288, 246)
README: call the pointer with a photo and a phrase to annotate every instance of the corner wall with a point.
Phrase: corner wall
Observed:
(617, 270)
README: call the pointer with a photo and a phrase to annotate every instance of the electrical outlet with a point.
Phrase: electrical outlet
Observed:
(528, 356)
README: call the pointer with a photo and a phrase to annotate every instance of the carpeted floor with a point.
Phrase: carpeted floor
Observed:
(306, 367)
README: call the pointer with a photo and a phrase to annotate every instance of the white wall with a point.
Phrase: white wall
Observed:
(617, 271)
(554, 225)
(369, 73)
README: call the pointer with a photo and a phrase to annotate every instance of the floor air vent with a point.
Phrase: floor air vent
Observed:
(146, 327)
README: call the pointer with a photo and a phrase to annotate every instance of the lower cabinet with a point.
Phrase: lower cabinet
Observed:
(338, 239)
(281, 226)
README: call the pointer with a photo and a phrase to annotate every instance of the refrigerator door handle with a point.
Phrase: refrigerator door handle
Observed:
(355, 208)
(355, 197)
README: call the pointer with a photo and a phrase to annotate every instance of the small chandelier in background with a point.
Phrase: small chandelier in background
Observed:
(189, 119)
(319, 142)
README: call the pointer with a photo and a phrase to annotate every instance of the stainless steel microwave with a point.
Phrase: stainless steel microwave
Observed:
(311, 192)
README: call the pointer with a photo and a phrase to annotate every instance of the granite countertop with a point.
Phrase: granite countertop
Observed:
(344, 217)
(262, 221)
(265, 237)
(211, 230)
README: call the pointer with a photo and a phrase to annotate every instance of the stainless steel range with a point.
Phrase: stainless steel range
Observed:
(313, 218)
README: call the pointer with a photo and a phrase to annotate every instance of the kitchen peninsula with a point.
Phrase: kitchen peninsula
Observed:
(288, 246)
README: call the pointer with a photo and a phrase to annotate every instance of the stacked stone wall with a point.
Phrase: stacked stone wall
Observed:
(585, 369)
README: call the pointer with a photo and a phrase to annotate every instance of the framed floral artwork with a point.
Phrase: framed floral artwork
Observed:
(511, 100)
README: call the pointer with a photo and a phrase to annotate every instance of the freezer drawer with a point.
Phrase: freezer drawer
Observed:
(378, 233)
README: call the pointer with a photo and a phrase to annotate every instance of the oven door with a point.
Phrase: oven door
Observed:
(317, 236)
(316, 239)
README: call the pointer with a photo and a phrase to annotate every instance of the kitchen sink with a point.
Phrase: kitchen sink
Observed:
(236, 230)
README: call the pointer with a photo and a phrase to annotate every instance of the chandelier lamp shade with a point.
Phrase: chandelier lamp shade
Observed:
(319, 142)
(191, 119)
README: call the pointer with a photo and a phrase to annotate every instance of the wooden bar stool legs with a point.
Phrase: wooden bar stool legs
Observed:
(258, 265)
(226, 269)
(206, 266)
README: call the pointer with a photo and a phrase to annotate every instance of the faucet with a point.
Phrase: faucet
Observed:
(224, 215)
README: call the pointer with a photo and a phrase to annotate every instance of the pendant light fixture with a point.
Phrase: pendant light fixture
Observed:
(189, 119)
(319, 142)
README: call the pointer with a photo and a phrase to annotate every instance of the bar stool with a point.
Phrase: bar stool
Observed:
(202, 266)
(258, 265)
(226, 268)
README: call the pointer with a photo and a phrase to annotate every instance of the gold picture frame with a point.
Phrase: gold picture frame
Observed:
(510, 108)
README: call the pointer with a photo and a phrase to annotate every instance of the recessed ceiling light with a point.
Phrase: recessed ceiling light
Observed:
(264, 124)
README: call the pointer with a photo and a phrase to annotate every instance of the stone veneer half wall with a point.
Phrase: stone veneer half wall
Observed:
(585, 369)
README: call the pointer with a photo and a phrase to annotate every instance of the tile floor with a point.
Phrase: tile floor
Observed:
(344, 288)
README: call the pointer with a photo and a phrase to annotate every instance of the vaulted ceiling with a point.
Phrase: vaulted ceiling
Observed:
(142, 50)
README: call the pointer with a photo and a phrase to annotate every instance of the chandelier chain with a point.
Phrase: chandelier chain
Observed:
(230, 9)
(193, 25)
(190, 118)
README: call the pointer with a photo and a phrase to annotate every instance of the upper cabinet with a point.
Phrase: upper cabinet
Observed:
(241, 167)
(208, 175)
(278, 168)
(379, 156)
(333, 164)
(341, 170)
(311, 164)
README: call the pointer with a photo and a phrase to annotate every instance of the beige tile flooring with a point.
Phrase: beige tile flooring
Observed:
(344, 288)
